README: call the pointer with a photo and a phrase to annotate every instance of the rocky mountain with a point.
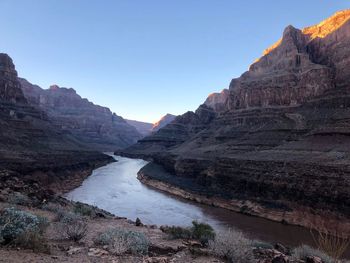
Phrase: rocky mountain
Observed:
(281, 147)
(92, 125)
(218, 101)
(144, 128)
(31, 148)
(165, 120)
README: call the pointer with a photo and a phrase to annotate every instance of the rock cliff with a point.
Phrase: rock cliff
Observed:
(92, 125)
(31, 148)
(165, 120)
(282, 140)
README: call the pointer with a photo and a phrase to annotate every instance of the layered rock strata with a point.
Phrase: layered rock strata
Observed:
(32, 150)
(282, 140)
(91, 125)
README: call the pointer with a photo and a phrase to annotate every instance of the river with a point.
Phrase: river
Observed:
(115, 188)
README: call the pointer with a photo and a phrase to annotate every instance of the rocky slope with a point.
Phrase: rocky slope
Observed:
(165, 120)
(92, 125)
(144, 128)
(31, 148)
(282, 140)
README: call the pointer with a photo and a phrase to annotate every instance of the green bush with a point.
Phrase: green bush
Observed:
(177, 232)
(305, 251)
(199, 231)
(120, 241)
(202, 232)
(84, 210)
(15, 222)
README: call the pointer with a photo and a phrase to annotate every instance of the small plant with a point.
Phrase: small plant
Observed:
(75, 229)
(232, 245)
(67, 217)
(32, 240)
(261, 244)
(84, 210)
(202, 232)
(138, 222)
(120, 241)
(18, 199)
(305, 251)
(55, 208)
(14, 222)
(177, 232)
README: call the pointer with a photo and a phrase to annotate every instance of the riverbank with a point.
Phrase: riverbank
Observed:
(155, 176)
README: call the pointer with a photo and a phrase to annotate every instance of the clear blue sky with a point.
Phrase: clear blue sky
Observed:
(146, 58)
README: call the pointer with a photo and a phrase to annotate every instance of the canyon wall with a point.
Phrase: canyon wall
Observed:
(280, 138)
(35, 156)
(92, 125)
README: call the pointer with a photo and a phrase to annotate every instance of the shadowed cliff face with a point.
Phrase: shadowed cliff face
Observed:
(31, 148)
(92, 125)
(282, 139)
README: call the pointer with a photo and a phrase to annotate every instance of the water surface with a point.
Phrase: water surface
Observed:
(116, 189)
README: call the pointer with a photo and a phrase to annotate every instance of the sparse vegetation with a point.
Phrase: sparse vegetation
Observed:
(199, 231)
(75, 229)
(23, 229)
(84, 210)
(330, 240)
(14, 222)
(120, 241)
(177, 232)
(232, 245)
(304, 251)
(18, 199)
(138, 222)
(202, 232)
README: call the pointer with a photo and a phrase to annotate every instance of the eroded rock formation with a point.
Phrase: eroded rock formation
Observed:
(31, 148)
(91, 125)
(282, 141)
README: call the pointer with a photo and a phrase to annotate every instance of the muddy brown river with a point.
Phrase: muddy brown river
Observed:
(115, 188)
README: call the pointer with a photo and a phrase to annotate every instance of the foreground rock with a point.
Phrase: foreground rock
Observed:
(280, 144)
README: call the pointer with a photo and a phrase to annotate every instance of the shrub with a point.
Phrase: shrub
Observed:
(84, 210)
(177, 232)
(138, 222)
(67, 217)
(202, 232)
(15, 222)
(18, 199)
(120, 241)
(261, 244)
(232, 245)
(75, 229)
(55, 208)
(32, 240)
(305, 251)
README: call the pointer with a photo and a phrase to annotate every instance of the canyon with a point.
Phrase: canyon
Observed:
(276, 143)
(91, 125)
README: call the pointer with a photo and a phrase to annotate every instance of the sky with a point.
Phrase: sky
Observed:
(143, 59)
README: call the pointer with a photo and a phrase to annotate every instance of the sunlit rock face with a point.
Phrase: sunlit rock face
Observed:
(165, 120)
(91, 125)
(283, 138)
(218, 101)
